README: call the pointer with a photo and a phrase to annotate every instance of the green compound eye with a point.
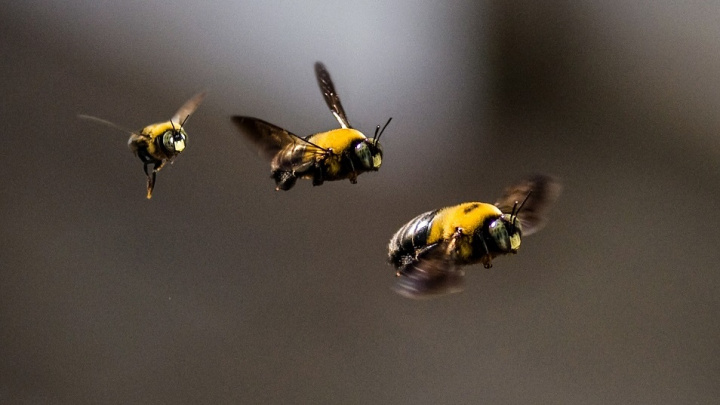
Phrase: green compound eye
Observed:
(362, 151)
(499, 234)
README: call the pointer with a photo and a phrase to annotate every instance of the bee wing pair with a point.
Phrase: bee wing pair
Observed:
(270, 139)
(435, 271)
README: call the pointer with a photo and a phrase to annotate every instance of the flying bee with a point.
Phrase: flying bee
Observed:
(158, 144)
(338, 154)
(429, 251)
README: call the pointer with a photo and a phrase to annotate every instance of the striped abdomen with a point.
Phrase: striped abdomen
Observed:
(294, 157)
(411, 237)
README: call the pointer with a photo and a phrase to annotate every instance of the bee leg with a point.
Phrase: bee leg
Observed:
(151, 177)
(353, 175)
(486, 259)
(317, 179)
(150, 184)
(405, 264)
(159, 165)
(284, 179)
(453, 245)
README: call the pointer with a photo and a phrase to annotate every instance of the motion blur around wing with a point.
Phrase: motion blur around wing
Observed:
(338, 154)
(429, 251)
(158, 144)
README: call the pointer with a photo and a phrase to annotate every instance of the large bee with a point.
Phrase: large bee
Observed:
(160, 143)
(326, 156)
(428, 251)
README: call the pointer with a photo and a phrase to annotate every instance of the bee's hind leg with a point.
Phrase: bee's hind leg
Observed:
(151, 177)
(318, 178)
(353, 178)
(284, 180)
(150, 183)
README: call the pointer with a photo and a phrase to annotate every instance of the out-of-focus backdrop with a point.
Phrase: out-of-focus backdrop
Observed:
(222, 290)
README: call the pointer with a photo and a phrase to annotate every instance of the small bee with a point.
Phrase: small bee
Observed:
(160, 143)
(326, 156)
(429, 250)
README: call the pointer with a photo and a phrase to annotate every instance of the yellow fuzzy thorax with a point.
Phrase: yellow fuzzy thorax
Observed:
(338, 139)
(154, 130)
(467, 216)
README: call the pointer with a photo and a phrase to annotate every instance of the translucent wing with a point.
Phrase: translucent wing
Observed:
(331, 97)
(109, 124)
(187, 109)
(541, 192)
(433, 274)
(269, 138)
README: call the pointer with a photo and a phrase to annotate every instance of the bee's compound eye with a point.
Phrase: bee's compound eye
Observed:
(377, 160)
(174, 141)
(363, 153)
(376, 153)
(499, 234)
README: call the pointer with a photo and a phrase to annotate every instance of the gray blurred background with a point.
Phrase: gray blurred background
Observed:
(222, 290)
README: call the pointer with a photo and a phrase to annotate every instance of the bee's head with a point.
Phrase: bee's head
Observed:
(369, 151)
(506, 231)
(174, 140)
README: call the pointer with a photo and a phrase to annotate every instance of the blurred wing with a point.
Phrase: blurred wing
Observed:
(331, 97)
(543, 191)
(269, 138)
(181, 116)
(432, 275)
(109, 124)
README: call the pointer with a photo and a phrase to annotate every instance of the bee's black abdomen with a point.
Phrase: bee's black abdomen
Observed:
(411, 237)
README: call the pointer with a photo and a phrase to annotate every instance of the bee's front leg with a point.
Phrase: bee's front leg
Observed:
(353, 177)
(353, 174)
(150, 183)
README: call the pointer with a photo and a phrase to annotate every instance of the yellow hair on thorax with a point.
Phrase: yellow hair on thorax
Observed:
(467, 216)
(337, 139)
(154, 130)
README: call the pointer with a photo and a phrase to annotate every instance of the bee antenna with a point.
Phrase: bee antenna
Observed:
(523, 203)
(514, 210)
(182, 124)
(379, 132)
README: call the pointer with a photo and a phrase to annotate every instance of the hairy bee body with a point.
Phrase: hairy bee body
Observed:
(429, 251)
(467, 223)
(157, 144)
(338, 154)
(148, 143)
(332, 162)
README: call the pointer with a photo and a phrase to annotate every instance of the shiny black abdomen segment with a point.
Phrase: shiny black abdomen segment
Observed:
(411, 237)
